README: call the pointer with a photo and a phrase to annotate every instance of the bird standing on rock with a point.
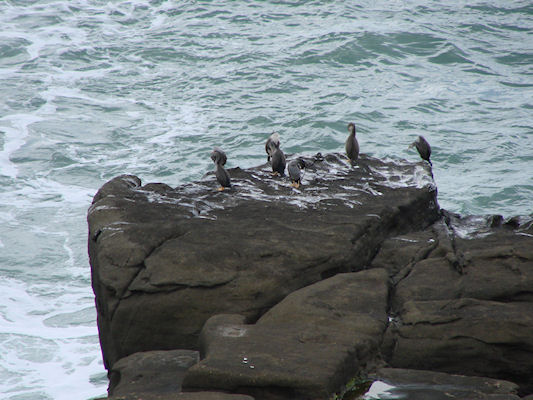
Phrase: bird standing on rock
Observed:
(294, 168)
(219, 158)
(278, 159)
(272, 140)
(352, 146)
(423, 147)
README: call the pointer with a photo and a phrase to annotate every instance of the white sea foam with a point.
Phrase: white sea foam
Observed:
(42, 192)
(39, 357)
(380, 391)
(16, 129)
(473, 227)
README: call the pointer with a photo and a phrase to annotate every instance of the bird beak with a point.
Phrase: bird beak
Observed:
(411, 145)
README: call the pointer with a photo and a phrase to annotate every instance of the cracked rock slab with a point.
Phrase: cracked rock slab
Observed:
(307, 346)
(498, 266)
(472, 317)
(487, 338)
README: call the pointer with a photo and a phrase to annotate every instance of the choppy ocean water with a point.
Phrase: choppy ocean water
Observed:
(93, 89)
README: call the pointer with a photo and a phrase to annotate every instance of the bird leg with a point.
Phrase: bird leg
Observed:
(295, 185)
(220, 189)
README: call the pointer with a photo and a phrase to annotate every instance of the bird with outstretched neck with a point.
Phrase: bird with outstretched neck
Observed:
(352, 146)
(423, 147)
(219, 158)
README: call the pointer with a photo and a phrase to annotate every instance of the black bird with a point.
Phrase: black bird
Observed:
(423, 147)
(278, 159)
(272, 140)
(294, 168)
(352, 146)
(219, 158)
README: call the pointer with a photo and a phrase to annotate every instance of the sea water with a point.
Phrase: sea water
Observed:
(93, 89)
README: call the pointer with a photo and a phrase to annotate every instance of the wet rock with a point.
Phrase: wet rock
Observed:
(487, 338)
(422, 385)
(290, 293)
(165, 260)
(496, 267)
(153, 372)
(472, 320)
(305, 347)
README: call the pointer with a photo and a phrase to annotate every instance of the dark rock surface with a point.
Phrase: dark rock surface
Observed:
(288, 293)
(165, 260)
(463, 299)
(307, 346)
(151, 372)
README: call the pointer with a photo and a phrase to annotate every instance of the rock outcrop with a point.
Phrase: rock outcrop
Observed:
(165, 260)
(288, 294)
(470, 295)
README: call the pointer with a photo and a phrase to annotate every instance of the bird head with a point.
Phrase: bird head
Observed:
(218, 156)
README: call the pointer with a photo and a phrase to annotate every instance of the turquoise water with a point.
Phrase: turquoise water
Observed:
(93, 89)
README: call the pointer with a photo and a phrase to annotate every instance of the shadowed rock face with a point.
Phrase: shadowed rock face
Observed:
(165, 260)
(462, 298)
(151, 372)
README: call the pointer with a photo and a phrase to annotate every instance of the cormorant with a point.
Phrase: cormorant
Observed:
(278, 159)
(294, 168)
(423, 147)
(352, 146)
(219, 158)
